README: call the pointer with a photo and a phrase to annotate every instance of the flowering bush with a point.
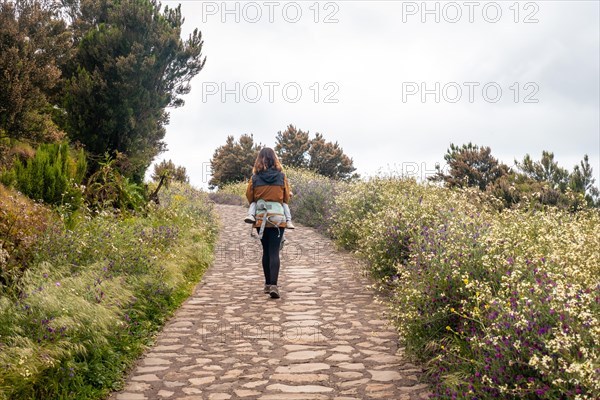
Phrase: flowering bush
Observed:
(223, 197)
(232, 193)
(94, 294)
(21, 222)
(312, 198)
(496, 304)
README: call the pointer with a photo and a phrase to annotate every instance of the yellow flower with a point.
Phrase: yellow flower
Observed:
(466, 281)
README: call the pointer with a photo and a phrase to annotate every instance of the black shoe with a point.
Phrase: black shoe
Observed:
(250, 219)
(274, 292)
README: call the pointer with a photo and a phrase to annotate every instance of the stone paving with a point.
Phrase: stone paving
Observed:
(325, 338)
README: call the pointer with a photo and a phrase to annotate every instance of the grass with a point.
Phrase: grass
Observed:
(95, 295)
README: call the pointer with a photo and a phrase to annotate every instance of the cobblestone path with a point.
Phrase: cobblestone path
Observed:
(325, 338)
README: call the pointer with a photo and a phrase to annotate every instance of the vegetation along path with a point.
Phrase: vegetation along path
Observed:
(324, 339)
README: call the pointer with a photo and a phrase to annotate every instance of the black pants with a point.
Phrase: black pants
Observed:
(270, 258)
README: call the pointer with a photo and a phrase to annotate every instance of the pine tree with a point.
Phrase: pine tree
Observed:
(470, 165)
(328, 159)
(545, 170)
(233, 161)
(581, 180)
(130, 65)
(292, 147)
(170, 171)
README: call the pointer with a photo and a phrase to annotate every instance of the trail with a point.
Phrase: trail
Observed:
(326, 338)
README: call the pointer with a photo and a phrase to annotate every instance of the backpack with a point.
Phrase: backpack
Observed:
(269, 212)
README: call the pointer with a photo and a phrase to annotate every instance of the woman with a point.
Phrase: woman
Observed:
(269, 183)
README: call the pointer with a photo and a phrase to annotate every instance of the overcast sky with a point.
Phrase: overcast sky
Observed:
(519, 78)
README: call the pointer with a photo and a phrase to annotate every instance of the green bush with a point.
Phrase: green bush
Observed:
(52, 176)
(108, 188)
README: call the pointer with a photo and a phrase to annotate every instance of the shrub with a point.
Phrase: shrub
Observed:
(108, 188)
(52, 176)
(496, 304)
(22, 221)
(22, 151)
(226, 198)
(96, 294)
(232, 193)
(312, 197)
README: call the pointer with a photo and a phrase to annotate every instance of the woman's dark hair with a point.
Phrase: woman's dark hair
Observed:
(265, 160)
